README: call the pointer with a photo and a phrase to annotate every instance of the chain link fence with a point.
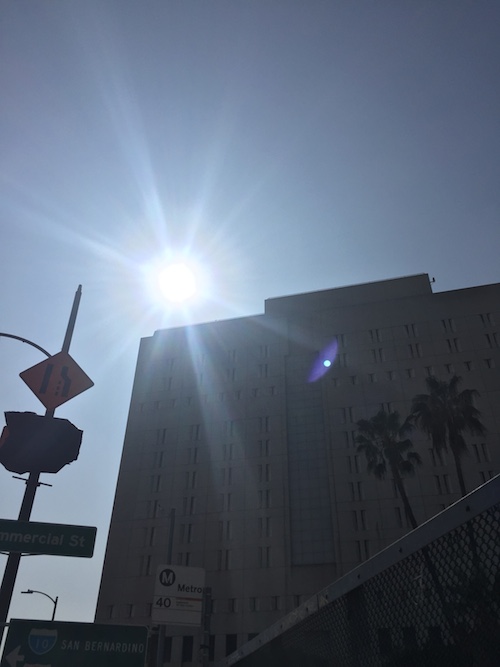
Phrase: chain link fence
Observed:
(430, 599)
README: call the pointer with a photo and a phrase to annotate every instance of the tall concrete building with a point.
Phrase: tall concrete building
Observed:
(246, 428)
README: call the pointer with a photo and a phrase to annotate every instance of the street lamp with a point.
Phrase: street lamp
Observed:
(53, 600)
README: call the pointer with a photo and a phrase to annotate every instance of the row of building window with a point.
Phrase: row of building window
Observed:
(377, 355)
(408, 373)
(262, 351)
(230, 605)
(386, 644)
(443, 485)
(341, 361)
(223, 396)
(448, 325)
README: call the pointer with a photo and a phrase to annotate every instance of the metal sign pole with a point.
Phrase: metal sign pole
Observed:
(205, 631)
(161, 628)
(32, 483)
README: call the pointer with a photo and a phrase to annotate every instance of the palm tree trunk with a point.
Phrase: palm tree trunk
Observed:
(460, 474)
(426, 555)
(402, 492)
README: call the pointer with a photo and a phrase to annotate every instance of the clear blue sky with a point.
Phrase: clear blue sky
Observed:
(286, 146)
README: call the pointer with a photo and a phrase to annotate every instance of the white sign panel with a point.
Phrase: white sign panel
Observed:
(178, 595)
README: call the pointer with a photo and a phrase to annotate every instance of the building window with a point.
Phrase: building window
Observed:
(264, 448)
(356, 490)
(429, 371)
(227, 451)
(232, 606)
(359, 519)
(410, 373)
(211, 648)
(375, 336)
(487, 319)
(231, 644)
(443, 485)
(223, 559)
(263, 370)
(161, 435)
(411, 330)
(391, 375)
(188, 505)
(449, 368)
(264, 472)
(264, 556)
(469, 365)
(453, 345)
(149, 536)
(372, 378)
(354, 379)
(489, 363)
(485, 452)
(362, 550)
(187, 648)
(153, 509)
(378, 355)
(448, 325)
(252, 604)
(265, 529)
(275, 602)
(155, 484)
(353, 464)
(415, 350)
(194, 431)
(492, 339)
(145, 565)
(265, 499)
(264, 424)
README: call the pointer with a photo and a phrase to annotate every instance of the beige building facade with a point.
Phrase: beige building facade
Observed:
(246, 428)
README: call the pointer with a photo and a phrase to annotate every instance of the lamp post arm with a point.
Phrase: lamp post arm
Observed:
(53, 600)
(28, 342)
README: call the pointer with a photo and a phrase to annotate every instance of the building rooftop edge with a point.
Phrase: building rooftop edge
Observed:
(279, 304)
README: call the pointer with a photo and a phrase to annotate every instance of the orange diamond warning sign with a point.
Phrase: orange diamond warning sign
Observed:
(56, 380)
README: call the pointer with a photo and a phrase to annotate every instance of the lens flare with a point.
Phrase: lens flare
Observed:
(323, 361)
(177, 282)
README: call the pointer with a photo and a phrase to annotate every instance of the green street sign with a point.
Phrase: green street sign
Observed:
(36, 643)
(55, 539)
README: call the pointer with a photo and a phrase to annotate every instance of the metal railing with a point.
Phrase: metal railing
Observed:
(431, 598)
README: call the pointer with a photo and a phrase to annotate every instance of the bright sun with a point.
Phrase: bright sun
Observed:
(177, 282)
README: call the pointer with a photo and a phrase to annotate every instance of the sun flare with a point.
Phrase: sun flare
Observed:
(177, 282)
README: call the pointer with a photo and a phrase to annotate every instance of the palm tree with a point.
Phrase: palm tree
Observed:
(383, 440)
(445, 414)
